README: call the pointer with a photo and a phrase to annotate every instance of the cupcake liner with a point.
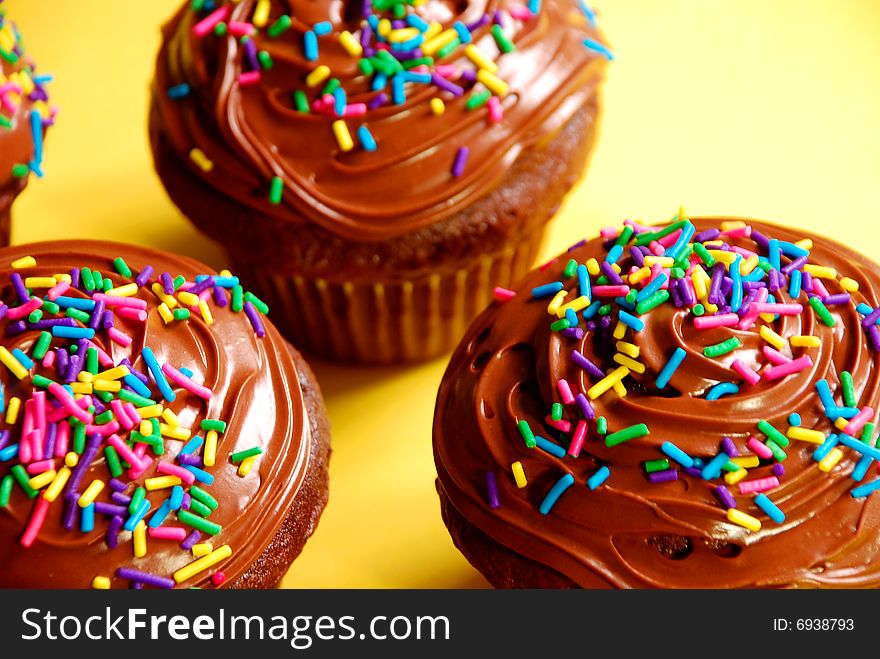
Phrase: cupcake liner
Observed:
(391, 320)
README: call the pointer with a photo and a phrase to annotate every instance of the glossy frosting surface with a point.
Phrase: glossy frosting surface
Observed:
(254, 388)
(253, 132)
(632, 533)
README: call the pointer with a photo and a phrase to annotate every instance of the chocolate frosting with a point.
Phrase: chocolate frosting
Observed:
(630, 532)
(252, 133)
(255, 390)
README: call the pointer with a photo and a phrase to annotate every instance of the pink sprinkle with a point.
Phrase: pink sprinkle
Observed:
(775, 356)
(610, 291)
(421, 68)
(103, 358)
(211, 21)
(69, 404)
(132, 412)
(496, 114)
(742, 250)
(749, 319)
(794, 366)
(739, 232)
(173, 470)
(546, 265)
(609, 232)
(137, 470)
(49, 359)
(577, 440)
(119, 301)
(105, 429)
(503, 294)
(131, 314)
(240, 29)
(760, 448)
(177, 533)
(656, 248)
(58, 290)
(119, 413)
(448, 71)
(758, 485)
(120, 337)
(15, 313)
(36, 522)
(781, 309)
(140, 450)
(561, 424)
(748, 374)
(39, 467)
(819, 288)
(355, 110)
(124, 451)
(859, 420)
(721, 320)
(180, 379)
(669, 240)
(520, 12)
(62, 439)
(248, 78)
(25, 453)
(565, 392)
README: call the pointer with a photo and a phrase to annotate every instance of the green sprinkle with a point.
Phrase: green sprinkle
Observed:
(602, 280)
(261, 306)
(660, 464)
(526, 433)
(601, 425)
(631, 296)
(220, 29)
(570, 268)
(822, 311)
(634, 431)
(20, 171)
(214, 424)
(332, 85)
(398, 10)
(707, 259)
(98, 280)
(77, 314)
(35, 315)
(6, 489)
(477, 100)
(684, 259)
(6, 123)
(677, 273)
(244, 455)
(79, 438)
(449, 48)
(279, 27)
(722, 348)
(265, 60)
(105, 396)
(627, 232)
(85, 274)
(113, 464)
(21, 477)
(41, 381)
(849, 392)
(237, 303)
(559, 325)
(199, 508)
(50, 307)
(648, 236)
(301, 101)
(136, 500)
(178, 281)
(152, 440)
(652, 301)
(418, 61)
(698, 309)
(777, 452)
(605, 309)
(556, 411)
(122, 267)
(92, 364)
(135, 399)
(180, 313)
(867, 433)
(276, 190)
(366, 67)
(104, 417)
(730, 466)
(203, 496)
(767, 428)
(199, 523)
(504, 44)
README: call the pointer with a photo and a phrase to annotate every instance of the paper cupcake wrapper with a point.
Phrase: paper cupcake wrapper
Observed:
(384, 322)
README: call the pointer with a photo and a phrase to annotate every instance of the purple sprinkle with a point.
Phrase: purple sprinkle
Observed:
(398, 24)
(74, 367)
(85, 462)
(250, 51)
(97, 314)
(120, 498)
(797, 264)
(470, 75)
(190, 459)
(145, 577)
(254, 317)
(140, 376)
(49, 446)
(49, 323)
(203, 285)
(116, 485)
(609, 271)
(61, 357)
(187, 501)
(726, 286)
(871, 318)
(103, 508)
(581, 360)
(838, 298)
(461, 157)
(687, 293)
(747, 302)
(708, 234)
(378, 101)
(68, 521)
(4, 439)
(480, 22)
(3, 309)
(492, 490)
(19, 287)
(579, 243)
(874, 335)
(113, 530)
(638, 256)
(74, 277)
(774, 280)
(144, 276)
(107, 322)
(675, 293)
(591, 326)
(220, 297)
(190, 541)
(725, 496)
(573, 333)
(807, 282)
(760, 240)
(586, 407)
(729, 447)
(167, 283)
(367, 8)
(497, 17)
(694, 471)
(137, 585)
(664, 476)
(443, 83)
(715, 285)
(366, 35)
(722, 310)
(778, 469)
(16, 328)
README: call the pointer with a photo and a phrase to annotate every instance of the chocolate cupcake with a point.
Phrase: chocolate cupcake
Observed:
(685, 406)
(157, 430)
(373, 167)
(24, 116)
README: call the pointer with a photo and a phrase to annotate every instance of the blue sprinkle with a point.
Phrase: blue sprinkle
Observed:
(225, 282)
(773, 254)
(83, 304)
(535, 6)
(322, 28)
(139, 387)
(158, 376)
(721, 389)
(858, 445)
(614, 253)
(861, 468)
(547, 290)
(191, 446)
(178, 91)
(588, 12)
(671, 366)
(736, 291)
(410, 76)
(865, 490)
(583, 276)
(794, 285)
(160, 515)
(672, 451)
(176, 500)
(792, 250)
(864, 309)
(37, 135)
(550, 447)
(655, 285)
(65, 332)
(368, 142)
(417, 22)
(188, 373)
(339, 101)
(310, 44)
(687, 232)
(9, 452)
(571, 316)
(591, 310)
(463, 33)
(555, 492)
(598, 478)
(820, 453)
(770, 509)
(141, 512)
(201, 475)
(825, 396)
(713, 468)
(379, 82)
(87, 518)
(21, 356)
(631, 321)
(594, 45)
(794, 419)
(398, 92)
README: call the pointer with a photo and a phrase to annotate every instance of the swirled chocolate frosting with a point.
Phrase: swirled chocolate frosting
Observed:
(225, 370)
(749, 352)
(277, 126)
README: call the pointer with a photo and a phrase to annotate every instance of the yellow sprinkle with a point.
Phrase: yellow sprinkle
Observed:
(200, 159)
(772, 337)
(734, 477)
(743, 519)
(115, 373)
(607, 382)
(384, 28)
(438, 107)
(318, 75)
(616, 267)
(746, 461)
(205, 310)
(10, 362)
(203, 563)
(24, 262)
(821, 271)
(806, 435)
(698, 278)
(619, 330)
(146, 428)
(593, 267)
(261, 13)
(139, 539)
(841, 423)
(62, 276)
(639, 275)
(85, 376)
(161, 482)
(721, 256)
(519, 474)
(343, 137)
(619, 389)
(628, 349)
(351, 45)
(849, 285)
(805, 243)
(731, 225)
(91, 493)
(54, 490)
(42, 480)
(805, 341)
(149, 411)
(746, 266)
(107, 385)
(189, 299)
(71, 459)
(404, 34)
(630, 363)
(202, 549)
(478, 57)
(830, 461)
(556, 302)
(433, 30)
(246, 465)
(170, 417)
(578, 304)
(81, 387)
(12, 409)
(174, 432)
(126, 290)
(431, 46)
(101, 583)
(493, 83)
(166, 299)
(210, 454)
(225, 273)
(664, 261)
(39, 282)
(165, 313)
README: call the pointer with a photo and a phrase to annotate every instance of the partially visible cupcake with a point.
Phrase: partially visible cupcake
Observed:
(157, 430)
(683, 406)
(24, 116)
(374, 167)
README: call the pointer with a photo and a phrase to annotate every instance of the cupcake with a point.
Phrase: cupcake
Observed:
(681, 406)
(157, 431)
(24, 116)
(372, 167)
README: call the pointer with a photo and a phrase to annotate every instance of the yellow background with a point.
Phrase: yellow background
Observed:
(764, 108)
